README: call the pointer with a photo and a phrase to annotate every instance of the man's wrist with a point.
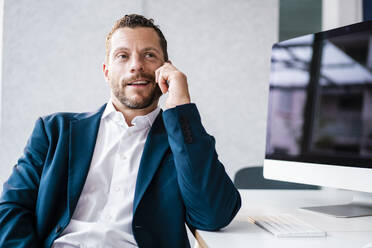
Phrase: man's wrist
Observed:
(178, 103)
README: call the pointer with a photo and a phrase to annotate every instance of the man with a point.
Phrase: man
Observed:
(128, 174)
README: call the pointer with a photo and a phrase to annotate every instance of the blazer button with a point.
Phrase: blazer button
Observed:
(138, 227)
(58, 228)
(188, 139)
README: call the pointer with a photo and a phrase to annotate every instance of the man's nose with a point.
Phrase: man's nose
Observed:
(136, 64)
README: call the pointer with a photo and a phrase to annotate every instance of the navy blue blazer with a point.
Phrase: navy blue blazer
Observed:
(180, 179)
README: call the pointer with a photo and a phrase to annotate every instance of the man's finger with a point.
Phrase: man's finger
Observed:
(158, 72)
(162, 82)
(157, 75)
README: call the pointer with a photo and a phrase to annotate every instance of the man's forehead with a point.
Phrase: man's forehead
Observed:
(137, 35)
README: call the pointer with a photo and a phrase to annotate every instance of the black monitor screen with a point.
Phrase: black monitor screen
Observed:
(320, 100)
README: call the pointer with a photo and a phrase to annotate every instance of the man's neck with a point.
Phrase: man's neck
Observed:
(129, 113)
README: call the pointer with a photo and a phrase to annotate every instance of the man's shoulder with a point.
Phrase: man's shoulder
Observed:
(61, 118)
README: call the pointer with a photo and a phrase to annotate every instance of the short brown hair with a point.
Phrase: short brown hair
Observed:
(133, 21)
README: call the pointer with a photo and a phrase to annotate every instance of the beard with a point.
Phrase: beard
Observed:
(118, 90)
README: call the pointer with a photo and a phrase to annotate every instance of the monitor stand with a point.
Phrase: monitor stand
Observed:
(361, 205)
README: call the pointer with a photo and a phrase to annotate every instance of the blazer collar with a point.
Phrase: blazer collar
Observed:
(82, 139)
(155, 147)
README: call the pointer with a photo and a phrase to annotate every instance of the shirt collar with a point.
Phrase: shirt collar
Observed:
(142, 120)
(109, 110)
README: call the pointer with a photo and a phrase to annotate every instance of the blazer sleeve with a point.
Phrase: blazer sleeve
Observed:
(210, 197)
(18, 199)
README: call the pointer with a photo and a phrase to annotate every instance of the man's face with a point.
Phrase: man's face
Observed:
(130, 70)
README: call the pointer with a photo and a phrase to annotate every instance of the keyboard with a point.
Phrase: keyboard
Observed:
(286, 226)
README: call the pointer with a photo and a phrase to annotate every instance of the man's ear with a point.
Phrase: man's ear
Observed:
(105, 72)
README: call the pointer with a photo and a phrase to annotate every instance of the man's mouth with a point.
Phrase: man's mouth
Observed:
(139, 83)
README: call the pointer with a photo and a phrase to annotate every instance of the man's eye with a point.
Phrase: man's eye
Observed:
(122, 56)
(149, 55)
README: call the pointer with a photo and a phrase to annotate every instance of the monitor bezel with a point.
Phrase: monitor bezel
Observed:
(351, 178)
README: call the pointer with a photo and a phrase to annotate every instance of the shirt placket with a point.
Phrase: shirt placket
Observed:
(115, 194)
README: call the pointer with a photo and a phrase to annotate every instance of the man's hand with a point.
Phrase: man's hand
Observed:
(171, 80)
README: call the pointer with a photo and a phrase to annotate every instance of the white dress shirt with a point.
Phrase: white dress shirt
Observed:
(103, 215)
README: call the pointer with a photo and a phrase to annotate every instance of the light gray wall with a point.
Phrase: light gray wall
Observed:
(1, 55)
(338, 13)
(53, 52)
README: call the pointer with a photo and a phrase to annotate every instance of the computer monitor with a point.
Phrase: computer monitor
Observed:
(319, 123)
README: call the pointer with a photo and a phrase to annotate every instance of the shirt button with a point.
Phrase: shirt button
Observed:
(108, 217)
(117, 189)
(123, 157)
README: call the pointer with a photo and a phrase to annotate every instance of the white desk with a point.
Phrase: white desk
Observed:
(341, 232)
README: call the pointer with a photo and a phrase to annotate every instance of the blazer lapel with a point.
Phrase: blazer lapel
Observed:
(83, 135)
(155, 147)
